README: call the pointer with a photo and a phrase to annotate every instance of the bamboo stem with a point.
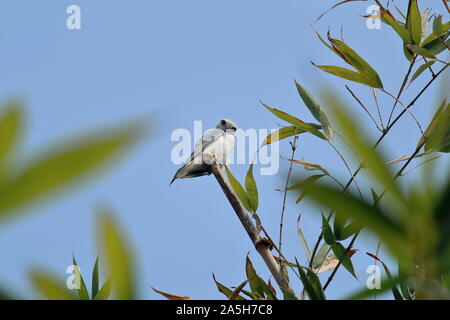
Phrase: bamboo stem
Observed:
(262, 245)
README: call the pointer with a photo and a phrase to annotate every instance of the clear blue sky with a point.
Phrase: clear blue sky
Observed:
(180, 61)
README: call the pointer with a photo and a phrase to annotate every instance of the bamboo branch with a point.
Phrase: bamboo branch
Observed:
(262, 245)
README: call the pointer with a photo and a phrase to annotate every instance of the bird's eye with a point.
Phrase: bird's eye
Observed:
(223, 122)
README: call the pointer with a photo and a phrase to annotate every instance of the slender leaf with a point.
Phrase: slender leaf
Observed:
(341, 254)
(321, 255)
(83, 293)
(398, 27)
(238, 289)
(303, 240)
(105, 290)
(252, 278)
(386, 284)
(395, 291)
(118, 256)
(436, 45)
(64, 165)
(252, 189)
(239, 190)
(328, 235)
(311, 283)
(281, 134)
(421, 69)
(50, 287)
(298, 185)
(10, 128)
(315, 110)
(438, 132)
(171, 296)
(346, 74)
(414, 21)
(421, 51)
(355, 60)
(349, 230)
(299, 124)
(95, 279)
(226, 291)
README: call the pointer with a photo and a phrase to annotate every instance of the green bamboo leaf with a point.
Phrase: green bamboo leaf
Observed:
(438, 27)
(437, 134)
(105, 291)
(395, 291)
(421, 69)
(414, 21)
(118, 257)
(346, 74)
(349, 230)
(316, 285)
(299, 124)
(315, 110)
(386, 284)
(6, 294)
(338, 226)
(300, 184)
(54, 170)
(95, 279)
(371, 159)
(252, 189)
(399, 28)
(438, 45)
(303, 240)
(50, 287)
(270, 295)
(281, 134)
(238, 289)
(341, 254)
(421, 51)
(10, 128)
(320, 256)
(311, 283)
(226, 291)
(355, 60)
(83, 293)
(171, 296)
(253, 280)
(288, 295)
(328, 235)
(389, 231)
(239, 190)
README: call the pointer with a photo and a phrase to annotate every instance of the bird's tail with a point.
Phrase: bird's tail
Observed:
(174, 178)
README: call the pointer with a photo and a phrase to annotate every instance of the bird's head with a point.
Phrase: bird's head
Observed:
(227, 125)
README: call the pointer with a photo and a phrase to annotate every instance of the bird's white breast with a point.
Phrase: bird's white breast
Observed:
(222, 148)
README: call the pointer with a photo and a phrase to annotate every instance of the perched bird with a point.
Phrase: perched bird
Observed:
(217, 143)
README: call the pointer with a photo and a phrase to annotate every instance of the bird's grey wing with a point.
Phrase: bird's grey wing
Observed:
(208, 139)
(191, 169)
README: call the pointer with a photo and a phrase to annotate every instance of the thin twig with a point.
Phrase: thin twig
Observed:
(348, 168)
(363, 106)
(405, 80)
(406, 109)
(294, 147)
(374, 93)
